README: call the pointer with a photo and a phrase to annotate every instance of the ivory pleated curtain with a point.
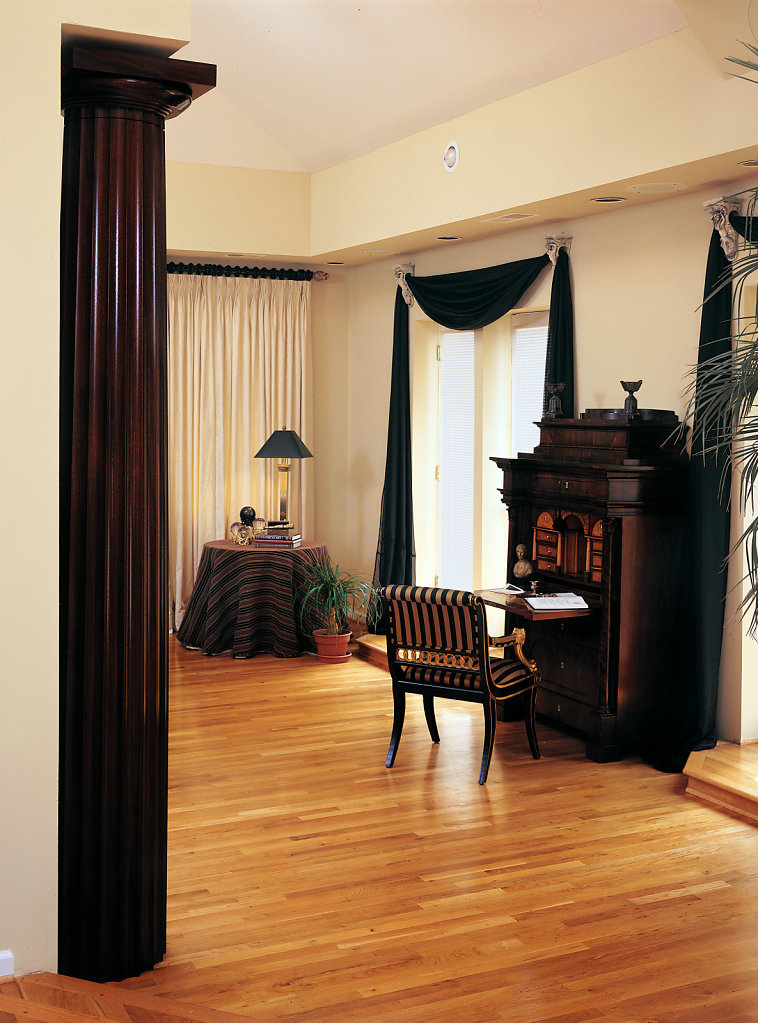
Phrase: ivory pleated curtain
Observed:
(239, 368)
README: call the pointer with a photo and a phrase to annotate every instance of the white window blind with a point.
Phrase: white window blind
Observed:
(455, 460)
(528, 353)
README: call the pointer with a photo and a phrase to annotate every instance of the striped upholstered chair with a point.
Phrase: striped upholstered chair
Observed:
(437, 645)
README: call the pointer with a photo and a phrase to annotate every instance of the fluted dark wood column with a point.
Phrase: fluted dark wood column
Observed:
(113, 513)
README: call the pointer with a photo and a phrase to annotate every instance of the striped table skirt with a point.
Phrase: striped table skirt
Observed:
(244, 600)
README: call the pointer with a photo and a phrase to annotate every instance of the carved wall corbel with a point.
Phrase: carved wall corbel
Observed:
(719, 210)
(553, 245)
(401, 272)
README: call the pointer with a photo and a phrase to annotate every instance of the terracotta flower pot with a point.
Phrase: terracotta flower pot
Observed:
(330, 648)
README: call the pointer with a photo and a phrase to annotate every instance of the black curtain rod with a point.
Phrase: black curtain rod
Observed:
(216, 270)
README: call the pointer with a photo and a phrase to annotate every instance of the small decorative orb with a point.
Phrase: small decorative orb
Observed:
(247, 515)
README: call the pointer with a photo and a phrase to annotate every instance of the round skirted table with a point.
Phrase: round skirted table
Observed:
(244, 599)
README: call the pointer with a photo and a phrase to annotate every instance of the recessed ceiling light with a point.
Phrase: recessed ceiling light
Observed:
(656, 187)
(451, 156)
(335, 262)
(448, 237)
(609, 198)
(748, 163)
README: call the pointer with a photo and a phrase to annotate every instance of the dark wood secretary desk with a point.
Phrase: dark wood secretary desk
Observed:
(600, 505)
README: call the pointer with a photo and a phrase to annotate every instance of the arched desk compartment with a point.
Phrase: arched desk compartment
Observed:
(600, 506)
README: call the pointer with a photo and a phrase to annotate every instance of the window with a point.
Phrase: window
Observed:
(528, 354)
(455, 460)
(476, 394)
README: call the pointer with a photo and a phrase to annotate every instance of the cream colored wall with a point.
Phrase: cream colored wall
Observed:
(749, 690)
(637, 273)
(233, 209)
(32, 127)
(638, 278)
(660, 105)
(737, 710)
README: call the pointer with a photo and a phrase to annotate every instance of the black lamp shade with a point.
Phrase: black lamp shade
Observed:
(284, 444)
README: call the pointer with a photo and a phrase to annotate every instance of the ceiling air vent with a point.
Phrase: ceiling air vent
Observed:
(508, 218)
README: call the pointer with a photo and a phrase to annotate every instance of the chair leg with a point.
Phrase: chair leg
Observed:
(398, 696)
(529, 700)
(490, 718)
(431, 721)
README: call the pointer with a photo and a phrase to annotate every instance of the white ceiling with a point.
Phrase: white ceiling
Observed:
(305, 84)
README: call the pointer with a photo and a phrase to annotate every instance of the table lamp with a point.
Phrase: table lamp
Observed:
(284, 445)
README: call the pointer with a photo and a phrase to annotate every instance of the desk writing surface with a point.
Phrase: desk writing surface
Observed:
(516, 605)
(244, 597)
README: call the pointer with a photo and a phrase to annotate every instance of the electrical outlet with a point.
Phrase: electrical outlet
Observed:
(6, 963)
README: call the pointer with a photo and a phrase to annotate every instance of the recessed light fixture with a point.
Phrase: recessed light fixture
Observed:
(335, 262)
(748, 163)
(448, 237)
(451, 156)
(609, 198)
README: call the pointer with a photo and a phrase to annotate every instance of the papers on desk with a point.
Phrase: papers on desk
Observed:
(556, 602)
(508, 588)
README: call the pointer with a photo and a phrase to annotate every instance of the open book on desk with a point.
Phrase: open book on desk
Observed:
(556, 602)
(508, 588)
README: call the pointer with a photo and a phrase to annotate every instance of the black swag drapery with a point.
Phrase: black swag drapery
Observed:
(458, 301)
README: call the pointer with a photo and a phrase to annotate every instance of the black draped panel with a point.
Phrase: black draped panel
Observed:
(559, 364)
(690, 723)
(396, 552)
(459, 301)
(746, 226)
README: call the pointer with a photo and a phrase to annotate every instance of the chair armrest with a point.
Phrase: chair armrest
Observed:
(515, 640)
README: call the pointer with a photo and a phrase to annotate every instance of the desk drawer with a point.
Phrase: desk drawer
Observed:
(559, 707)
(567, 658)
(557, 486)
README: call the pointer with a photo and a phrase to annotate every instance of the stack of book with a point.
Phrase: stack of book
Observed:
(277, 539)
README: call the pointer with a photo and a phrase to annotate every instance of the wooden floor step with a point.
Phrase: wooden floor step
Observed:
(52, 998)
(727, 776)
(373, 649)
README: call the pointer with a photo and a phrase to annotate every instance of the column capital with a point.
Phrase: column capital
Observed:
(101, 76)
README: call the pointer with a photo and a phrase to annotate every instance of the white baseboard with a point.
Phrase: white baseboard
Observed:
(6, 963)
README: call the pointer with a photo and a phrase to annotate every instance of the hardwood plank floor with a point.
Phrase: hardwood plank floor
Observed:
(308, 884)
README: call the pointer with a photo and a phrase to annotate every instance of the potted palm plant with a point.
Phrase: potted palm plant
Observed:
(330, 602)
